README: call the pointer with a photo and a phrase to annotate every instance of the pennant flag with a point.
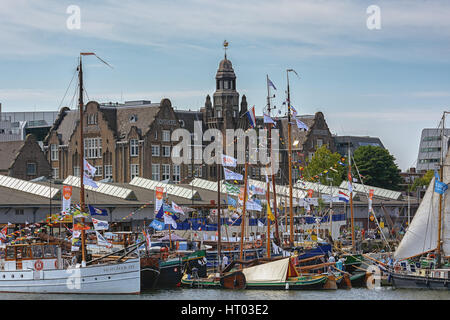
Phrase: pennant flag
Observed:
(100, 224)
(251, 117)
(270, 83)
(95, 211)
(228, 161)
(232, 201)
(160, 213)
(269, 213)
(101, 241)
(294, 111)
(301, 125)
(88, 181)
(169, 220)
(177, 208)
(230, 175)
(157, 225)
(343, 197)
(231, 188)
(89, 168)
(268, 119)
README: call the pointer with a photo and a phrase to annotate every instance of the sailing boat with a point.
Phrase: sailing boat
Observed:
(427, 240)
(40, 268)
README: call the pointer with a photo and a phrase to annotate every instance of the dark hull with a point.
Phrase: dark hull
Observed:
(171, 272)
(403, 281)
(149, 276)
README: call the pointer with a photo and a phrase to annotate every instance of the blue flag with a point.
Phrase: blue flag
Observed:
(157, 225)
(95, 211)
(232, 202)
(160, 213)
(440, 187)
(270, 83)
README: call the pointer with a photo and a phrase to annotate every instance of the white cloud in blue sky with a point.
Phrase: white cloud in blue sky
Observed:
(389, 83)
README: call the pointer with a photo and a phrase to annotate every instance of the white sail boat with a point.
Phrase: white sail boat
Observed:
(428, 235)
(39, 267)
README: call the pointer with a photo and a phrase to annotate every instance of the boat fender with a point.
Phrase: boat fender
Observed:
(165, 255)
(287, 286)
(38, 265)
(56, 264)
(258, 243)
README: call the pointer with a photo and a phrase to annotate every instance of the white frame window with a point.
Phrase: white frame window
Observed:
(93, 148)
(156, 172)
(108, 171)
(166, 135)
(155, 150)
(166, 151)
(55, 173)
(176, 173)
(76, 171)
(54, 152)
(99, 171)
(165, 172)
(134, 147)
(198, 171)
(134, 170)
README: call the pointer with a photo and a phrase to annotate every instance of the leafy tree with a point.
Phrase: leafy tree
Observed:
(378, 167)
(423, 181)
(322, 160)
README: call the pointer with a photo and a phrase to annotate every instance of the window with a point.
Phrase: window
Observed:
(19, 212)
(166, 151)
(108, 171)
(93, 148)
(431, 149)
(99, 171)
(319, 143)
(155, 172)
(31, 169)
(165, 172)
(432, 138)
(198, 171)
(53, 152)
(176, 173)
(76, 171)
(189, 167)
(133, 118)
(134, 148)
(155, 150)
(166, 135)
(55, 173)
(219, 114)
(134, 170)
(156, 134)
(92, 118)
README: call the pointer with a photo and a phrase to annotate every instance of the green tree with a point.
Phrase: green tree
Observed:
(423, 181)
(322, 160)
(378, 167)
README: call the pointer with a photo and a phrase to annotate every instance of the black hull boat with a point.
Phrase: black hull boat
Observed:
(149, 272)
(410, 281)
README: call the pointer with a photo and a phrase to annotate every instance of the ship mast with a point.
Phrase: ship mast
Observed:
(291, 215)
(351, 196)
(441, 173)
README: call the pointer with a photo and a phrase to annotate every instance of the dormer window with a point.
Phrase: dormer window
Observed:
(92, 118)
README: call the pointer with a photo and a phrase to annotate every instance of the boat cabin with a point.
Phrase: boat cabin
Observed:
(36, 256)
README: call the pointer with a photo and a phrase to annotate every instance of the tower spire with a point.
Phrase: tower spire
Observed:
(225, 47)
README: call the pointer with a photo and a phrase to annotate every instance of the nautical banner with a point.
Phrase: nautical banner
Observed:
(257, 190)
(95, 211)
(301, 125)
(228, 161)
(89, 168)
(88, 181)
(230, 175)
(269, 213)
(251, 205)
(101, 241)
(157, 225)
(67, 196)
(177, 208)
(169, 220)
(100, 224)
(270, 83)
(231, 188)
(268, 119)
(159, 191)
(251, 117)
(232, 201)
(370, 199)
(343, 197)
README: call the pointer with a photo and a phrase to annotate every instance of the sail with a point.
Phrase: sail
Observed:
(270, 272)
(421, 236)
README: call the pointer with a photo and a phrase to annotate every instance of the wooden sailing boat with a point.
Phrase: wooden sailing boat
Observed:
(425, 247)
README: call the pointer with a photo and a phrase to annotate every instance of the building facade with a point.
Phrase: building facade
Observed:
(354, 142)
(429, 155)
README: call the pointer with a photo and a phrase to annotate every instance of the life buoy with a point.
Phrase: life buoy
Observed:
(258, 243)
(38, 265)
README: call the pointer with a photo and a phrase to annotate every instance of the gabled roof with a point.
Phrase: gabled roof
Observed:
(9, 151)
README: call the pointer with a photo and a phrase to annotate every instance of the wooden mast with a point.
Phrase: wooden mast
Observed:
(441, 171)
(243, 212)
(351, 196)
(81, 144)
(291, 214)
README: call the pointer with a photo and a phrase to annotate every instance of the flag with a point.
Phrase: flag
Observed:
(294, 111)
(100, 224)
(301, 125)
(231, 188)
(159, 192)
(343, 197)
(78, 214)
(260, 224)
(95, 211)
(3, 232)
(270, 83)
(157, 225)
(232, 201)
(268, 119)
(251, 117)
(89, 168)
(440, 187)
(88, 181)
(228, 161)
(257, 190)
(160, 213)
(230, 175)
(269, 213)
(147, 239)
(252, 205)
(67, 195)
(169, 220)
(177, 208)
(101, 241)
(350, 188)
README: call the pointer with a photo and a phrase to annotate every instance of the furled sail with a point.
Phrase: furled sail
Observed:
(270, 272)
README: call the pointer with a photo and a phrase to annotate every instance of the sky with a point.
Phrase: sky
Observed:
(388, 82)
